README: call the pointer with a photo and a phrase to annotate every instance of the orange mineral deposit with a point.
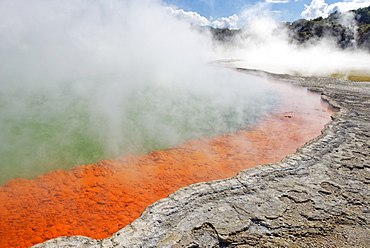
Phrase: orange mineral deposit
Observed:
(97, 200)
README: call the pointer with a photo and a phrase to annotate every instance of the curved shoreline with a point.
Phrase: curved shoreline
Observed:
(317, 197)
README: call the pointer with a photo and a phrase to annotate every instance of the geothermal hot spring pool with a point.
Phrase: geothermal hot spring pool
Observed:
(86, 158)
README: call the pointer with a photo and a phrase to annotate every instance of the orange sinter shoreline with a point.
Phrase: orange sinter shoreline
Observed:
(99, 199)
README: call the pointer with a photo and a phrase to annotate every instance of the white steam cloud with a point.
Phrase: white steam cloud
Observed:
(87, 80)
(82, 81)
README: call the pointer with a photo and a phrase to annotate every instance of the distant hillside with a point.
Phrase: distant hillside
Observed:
(223, 34)
(363, 19)
(350, 29)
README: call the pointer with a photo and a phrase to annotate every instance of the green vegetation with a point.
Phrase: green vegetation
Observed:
(362, 15)
(303, 31)
(332, 26)
(223, 34)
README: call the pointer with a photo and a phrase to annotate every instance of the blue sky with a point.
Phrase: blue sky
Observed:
(226, 8)
(282, 10)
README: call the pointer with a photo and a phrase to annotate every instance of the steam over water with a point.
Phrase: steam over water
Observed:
(82, 81)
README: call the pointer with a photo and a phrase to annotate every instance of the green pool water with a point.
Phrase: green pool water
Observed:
(62, 125)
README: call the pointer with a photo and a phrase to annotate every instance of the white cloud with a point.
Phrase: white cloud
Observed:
(226, 22)
(316, 9)
(194, 18)
(189, 16)
(319, 8)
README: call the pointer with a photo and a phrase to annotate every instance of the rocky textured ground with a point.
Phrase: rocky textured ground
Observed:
(317, 197)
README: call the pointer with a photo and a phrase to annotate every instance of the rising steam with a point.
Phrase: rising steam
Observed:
(82, 81)
(266, 44)
(88, 80)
